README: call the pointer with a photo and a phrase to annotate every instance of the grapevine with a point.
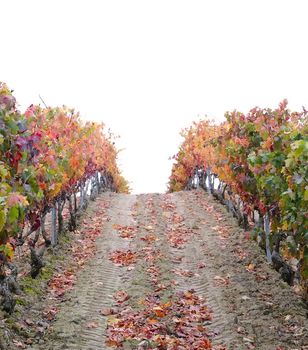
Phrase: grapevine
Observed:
(260, 163)
(49, 156)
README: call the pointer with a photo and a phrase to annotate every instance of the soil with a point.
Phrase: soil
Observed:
(184, 241)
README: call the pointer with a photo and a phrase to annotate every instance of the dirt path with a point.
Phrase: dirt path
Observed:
(177, 270)
(79, 325)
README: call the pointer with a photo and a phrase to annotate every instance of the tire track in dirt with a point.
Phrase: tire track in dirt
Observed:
(152, 294)
(150, 222)
(253, 308)
(205, 261)
(79, 324)
(188, 259)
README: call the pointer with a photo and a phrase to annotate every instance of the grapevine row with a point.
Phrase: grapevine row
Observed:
(48, 158)
(257, 165)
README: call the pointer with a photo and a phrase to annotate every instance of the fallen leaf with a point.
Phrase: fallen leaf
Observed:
(107, 311)
(123, 258)
(121, 296)
(159, 312)
(152, 320)
(222, 280)
(112, 320)
(29, 322)
(251, 267)
(19, 344)
(93, 324)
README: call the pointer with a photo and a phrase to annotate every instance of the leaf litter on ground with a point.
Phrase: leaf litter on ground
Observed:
(123, 257)
(176, 324)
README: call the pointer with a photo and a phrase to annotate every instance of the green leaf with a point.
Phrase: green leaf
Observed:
(289, 162)
(3, 171)
(290, 193)
(13, 126)
(7, 250)
(2, 219)
(13, 214)
(252, 158)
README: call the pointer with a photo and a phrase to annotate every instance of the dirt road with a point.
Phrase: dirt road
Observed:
(176, 272)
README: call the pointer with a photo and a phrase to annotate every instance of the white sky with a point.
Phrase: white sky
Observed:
(148, 68)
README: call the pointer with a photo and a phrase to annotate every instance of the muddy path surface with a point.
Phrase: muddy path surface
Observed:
(176, 272)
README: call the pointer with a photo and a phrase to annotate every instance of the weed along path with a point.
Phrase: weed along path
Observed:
(174, 271)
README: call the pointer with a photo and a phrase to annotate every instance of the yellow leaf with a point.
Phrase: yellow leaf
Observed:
(8, 250)
(54, 189)
(112, 320)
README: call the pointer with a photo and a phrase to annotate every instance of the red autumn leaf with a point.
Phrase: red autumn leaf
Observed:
(123, 258)
(121, 296)
(201, 265)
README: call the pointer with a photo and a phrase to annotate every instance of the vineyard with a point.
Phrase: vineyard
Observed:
(255, 164)
(86, 265)
(50, 160)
